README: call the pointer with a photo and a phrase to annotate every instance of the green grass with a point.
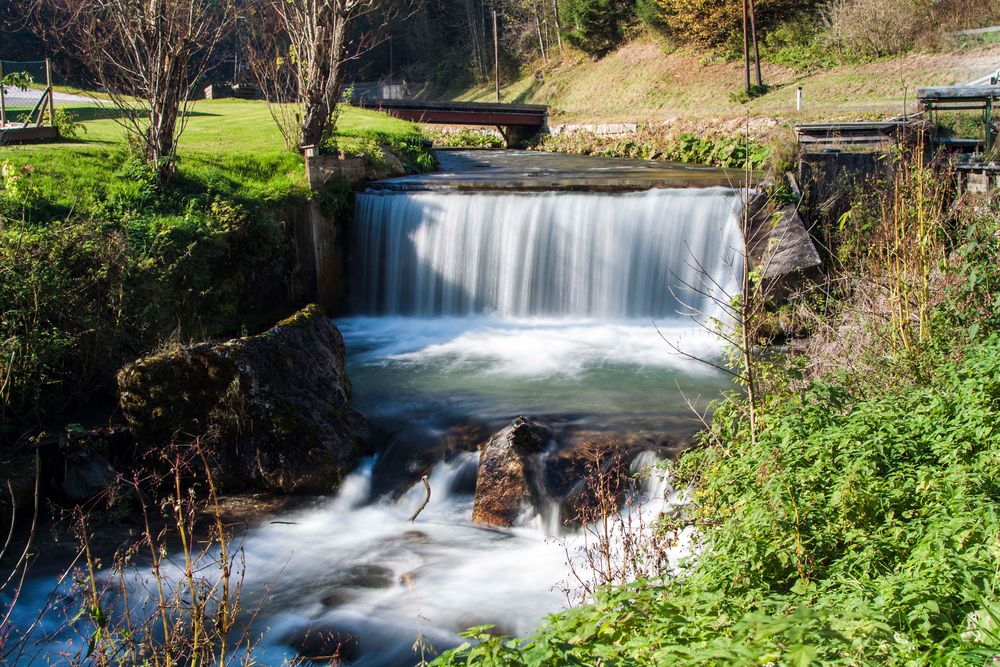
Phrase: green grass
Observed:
(232, 140)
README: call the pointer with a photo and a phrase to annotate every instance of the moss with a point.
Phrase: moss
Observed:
(301, 318)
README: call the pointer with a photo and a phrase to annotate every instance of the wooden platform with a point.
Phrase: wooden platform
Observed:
(26, 135)
(952, 95)
(853, 133)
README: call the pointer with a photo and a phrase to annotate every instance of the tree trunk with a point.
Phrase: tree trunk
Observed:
(541, 40)
(746, 44)
(555, 15)
(756, 46)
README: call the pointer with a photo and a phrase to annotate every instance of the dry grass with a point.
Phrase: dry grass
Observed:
(641, 82)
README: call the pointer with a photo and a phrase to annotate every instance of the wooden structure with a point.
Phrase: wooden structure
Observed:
(30, 127)
(517, 122)
(854, 134)
(947, 99)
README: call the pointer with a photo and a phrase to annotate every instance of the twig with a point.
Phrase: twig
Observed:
(427, 488)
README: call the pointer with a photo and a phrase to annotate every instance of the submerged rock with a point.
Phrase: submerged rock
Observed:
(506, 480)
(273, 410)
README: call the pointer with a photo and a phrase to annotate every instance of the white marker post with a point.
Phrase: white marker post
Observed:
(798, 99)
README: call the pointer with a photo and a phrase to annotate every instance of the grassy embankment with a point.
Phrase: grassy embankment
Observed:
(99, 264)
(643, 81)
(680, 97)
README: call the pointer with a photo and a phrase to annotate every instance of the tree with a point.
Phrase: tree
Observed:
(301, 48)
(147, 55)
(720, 22)
(597, 26)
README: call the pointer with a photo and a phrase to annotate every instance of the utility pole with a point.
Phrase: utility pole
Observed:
(496, 53)
(746, 44)
(756, 46)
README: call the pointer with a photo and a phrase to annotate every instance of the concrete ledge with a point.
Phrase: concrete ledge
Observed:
(321, 169)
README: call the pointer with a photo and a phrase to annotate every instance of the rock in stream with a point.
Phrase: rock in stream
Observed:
(273, 409)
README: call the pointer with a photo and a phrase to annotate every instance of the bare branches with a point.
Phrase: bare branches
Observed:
(299, 49)
(148, 56)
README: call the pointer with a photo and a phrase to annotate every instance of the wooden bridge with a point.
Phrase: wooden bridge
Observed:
(517, 122)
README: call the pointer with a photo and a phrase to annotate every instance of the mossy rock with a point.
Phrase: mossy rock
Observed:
(275, 408)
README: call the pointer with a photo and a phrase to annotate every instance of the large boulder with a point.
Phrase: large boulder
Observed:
(507, 478)
(273, 410)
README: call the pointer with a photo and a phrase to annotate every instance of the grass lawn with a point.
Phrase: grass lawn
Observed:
(233, 140)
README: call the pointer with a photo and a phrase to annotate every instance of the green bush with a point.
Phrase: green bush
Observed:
(84, 290)
(726, 152)
(468, 139)
(412, 150)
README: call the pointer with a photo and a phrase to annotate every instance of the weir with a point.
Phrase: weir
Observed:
(606, 256)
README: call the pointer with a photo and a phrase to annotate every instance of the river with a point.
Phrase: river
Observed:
(579, 292)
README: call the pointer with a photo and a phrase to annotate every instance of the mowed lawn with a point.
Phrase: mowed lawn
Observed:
(236, 140)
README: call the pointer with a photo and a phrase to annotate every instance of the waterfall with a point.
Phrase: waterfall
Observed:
(554, 254)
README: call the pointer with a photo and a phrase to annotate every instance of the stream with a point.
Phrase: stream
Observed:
(588, 311)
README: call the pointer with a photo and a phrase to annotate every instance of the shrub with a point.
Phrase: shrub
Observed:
(468, 139)
(865, 29)
(81, 292)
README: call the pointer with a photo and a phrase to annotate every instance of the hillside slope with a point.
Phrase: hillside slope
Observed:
(640, 82)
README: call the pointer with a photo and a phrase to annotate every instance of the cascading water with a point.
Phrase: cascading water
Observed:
(472, 308)
(555, 254)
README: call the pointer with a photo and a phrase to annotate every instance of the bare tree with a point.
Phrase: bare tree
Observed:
(147, 55)
(301, 50)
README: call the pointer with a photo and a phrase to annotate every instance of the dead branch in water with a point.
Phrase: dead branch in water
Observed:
(427, 488)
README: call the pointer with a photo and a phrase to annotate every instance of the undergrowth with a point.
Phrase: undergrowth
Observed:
(92, 277)
(725, 151)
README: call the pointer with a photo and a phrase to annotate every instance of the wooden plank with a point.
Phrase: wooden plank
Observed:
(959, 93)
(867, 139)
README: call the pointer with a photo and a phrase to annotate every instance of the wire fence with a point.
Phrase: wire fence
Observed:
(24, 84)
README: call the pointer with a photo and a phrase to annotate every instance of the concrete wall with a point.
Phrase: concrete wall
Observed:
(321, 169)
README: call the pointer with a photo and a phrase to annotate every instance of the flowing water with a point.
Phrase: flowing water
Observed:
(472, 308)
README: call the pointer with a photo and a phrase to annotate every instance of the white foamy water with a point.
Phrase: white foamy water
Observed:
(530, 348)
(361, 571)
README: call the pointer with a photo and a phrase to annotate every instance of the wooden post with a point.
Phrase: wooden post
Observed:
(746, 44)
(48, 85)
(496, 53)
(989, 128)
(3, 100)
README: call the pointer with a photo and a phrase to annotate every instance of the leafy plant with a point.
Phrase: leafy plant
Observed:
(20, 80)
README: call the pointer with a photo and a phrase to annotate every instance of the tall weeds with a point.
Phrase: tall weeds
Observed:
(171, 596)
